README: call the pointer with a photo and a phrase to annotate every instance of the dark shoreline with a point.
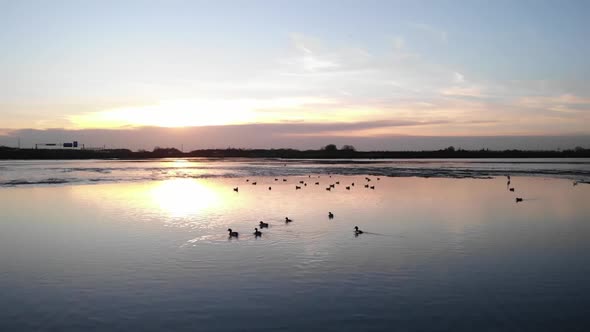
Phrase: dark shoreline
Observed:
(13, 153)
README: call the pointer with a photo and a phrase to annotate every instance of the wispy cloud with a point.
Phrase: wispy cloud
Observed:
(314, 82)
(467, 91)
(566, 103)
(312, 59)
(458, 77)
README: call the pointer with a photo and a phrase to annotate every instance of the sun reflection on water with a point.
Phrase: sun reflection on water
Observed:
(183, 197)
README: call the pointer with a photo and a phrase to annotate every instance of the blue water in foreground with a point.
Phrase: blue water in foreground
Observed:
(438, 253)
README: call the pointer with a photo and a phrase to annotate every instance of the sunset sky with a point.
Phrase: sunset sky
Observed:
(301, 74)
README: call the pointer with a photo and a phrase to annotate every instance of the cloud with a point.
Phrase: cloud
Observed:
(312, 58)
(273, 136)
(458, 78)
(565, 103)
(351, 129)
(352, 73)
(315, 82)
(470, 91)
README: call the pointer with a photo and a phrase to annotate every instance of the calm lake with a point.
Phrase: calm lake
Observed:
(143, 245)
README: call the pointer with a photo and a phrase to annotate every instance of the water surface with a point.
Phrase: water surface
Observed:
(438, 254)
(35, 172)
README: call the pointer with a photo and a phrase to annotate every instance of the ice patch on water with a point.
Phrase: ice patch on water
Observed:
(51, 172)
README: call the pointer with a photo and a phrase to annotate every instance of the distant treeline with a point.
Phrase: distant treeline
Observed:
(328, 152)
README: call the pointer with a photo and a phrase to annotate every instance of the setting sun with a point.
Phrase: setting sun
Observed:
(200, 112)
(178, 113)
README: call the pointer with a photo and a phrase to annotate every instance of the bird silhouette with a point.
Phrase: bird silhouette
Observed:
(257, 233)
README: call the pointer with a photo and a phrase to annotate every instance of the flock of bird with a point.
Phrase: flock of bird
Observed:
(518, 199)
(262, 224)
(302, 183)
(329, 188)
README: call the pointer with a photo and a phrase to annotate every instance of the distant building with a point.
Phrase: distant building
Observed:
(66, 145)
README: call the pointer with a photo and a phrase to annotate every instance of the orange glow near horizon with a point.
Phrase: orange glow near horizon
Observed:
(201, 112)
(451, 118)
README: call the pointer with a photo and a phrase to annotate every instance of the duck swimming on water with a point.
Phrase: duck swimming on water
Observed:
(288, 220)
(257, 232)
(357, 230)
(330, 215)
(231, 233)
(263, 224)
